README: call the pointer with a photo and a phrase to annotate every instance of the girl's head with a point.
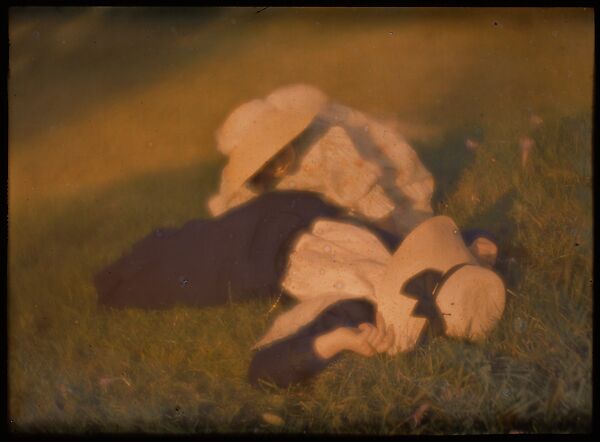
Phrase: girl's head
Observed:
(255, 134)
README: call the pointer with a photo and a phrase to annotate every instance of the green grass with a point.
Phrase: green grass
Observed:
(185, 369)
(74, 367)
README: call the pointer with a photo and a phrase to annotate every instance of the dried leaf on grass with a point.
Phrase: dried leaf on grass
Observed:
(272, 419)
(418, 415)
(105, 382)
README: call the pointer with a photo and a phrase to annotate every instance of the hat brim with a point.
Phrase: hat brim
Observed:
(435, 244)
(471, 301)
(267, 138)
(266, 127)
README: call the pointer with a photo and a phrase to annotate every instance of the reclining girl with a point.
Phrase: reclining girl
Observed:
(361, 164)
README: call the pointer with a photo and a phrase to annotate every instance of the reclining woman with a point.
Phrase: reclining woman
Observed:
(340, 269)
(354, 161)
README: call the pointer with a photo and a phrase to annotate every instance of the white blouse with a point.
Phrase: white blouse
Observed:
(335, 257)
(363, 165)
(331, 262)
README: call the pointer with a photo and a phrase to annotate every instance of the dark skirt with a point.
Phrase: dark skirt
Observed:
(238, 255)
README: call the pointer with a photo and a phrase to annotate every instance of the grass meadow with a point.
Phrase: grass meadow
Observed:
(112, 114)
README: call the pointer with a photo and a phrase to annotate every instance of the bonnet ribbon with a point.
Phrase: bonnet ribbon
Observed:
(424, 287)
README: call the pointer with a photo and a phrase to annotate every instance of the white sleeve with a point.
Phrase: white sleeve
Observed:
(335, 258)
(376, 204)
(346, 176)
(413, 178)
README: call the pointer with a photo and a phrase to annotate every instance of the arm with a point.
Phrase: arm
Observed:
(347, 325)
(287, 362)
(365, 340)
(294, 359)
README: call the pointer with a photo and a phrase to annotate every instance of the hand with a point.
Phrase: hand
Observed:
(368, 340)
(485, 251)
(365, 340)
(419, 191)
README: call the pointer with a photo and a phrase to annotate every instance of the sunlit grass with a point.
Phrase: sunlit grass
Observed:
(185, 370)
(75, 367)
(435, 72)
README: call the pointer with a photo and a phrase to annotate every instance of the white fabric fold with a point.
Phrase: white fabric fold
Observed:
(332, 262)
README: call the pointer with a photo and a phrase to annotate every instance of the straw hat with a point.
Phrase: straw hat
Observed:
(255, 131)
(432, 277)
(468, 298)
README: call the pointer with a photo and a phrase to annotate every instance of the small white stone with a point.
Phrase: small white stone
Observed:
(327, 248)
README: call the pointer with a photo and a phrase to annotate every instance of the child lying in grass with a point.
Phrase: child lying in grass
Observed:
(341, 270)
(350, 286)
(354, 161)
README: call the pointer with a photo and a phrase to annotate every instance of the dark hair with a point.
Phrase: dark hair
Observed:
(269, 175)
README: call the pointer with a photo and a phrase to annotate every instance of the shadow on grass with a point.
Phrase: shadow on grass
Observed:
(446, 160)
(497, 220)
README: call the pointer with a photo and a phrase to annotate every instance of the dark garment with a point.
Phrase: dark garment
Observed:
(207, 262)
(293, 359)
(238, 256)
